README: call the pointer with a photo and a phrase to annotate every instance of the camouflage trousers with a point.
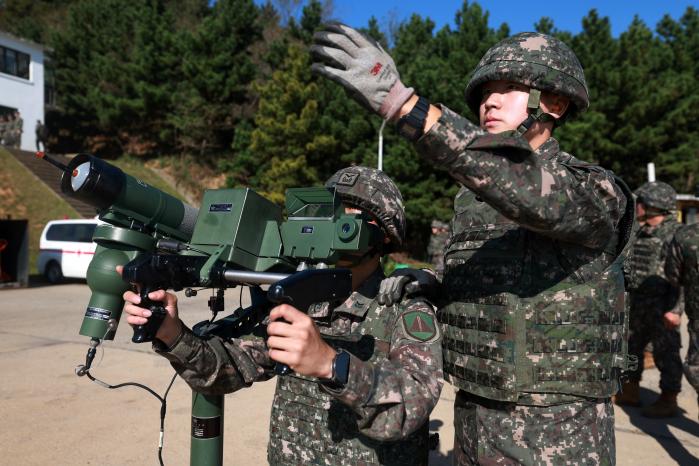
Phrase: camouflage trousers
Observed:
(647, 327)
(691, 362)
(497, 433)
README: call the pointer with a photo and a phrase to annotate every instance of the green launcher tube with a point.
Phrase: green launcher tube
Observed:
(207, 430)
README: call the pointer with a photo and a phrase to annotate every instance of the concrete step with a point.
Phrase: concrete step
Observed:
(51, 177)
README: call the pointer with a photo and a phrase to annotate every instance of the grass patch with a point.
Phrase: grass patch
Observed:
(23, 196)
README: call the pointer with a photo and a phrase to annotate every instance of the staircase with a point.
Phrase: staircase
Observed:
(51, 176)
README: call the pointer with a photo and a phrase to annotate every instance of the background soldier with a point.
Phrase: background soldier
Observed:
(535, 320)
(10, 131)
(682, 269)
(435, 248)
(41, 132)
(4, 123)
(366, 375)
(18, 123)
(650, 296)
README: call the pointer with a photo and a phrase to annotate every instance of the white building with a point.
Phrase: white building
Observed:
(22, 83)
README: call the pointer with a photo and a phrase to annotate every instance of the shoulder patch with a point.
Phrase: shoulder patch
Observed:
(419, 325)
(348, 179)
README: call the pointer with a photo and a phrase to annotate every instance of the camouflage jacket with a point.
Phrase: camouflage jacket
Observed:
(681, 259)
(572, 211)
(534, 189)
(649, 289)
(391, 390)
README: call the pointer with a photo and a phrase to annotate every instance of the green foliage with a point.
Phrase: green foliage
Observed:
(216, 73)
(115, 65)
(33, 19)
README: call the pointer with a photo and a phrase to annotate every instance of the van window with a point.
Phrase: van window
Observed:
(78, 232)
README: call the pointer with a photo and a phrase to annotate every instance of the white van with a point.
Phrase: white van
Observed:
(66, 249)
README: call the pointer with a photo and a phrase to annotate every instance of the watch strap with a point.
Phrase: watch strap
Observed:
(412, 124)
(340, 371)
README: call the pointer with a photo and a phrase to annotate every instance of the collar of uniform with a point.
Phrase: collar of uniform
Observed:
(359, 301)
(549, 149)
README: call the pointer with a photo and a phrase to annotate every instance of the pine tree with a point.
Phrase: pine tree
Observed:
(217, 71)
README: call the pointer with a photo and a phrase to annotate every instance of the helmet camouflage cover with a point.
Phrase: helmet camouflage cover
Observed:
(373, 191)
(439, 224)
(535, 60)
(657, 195)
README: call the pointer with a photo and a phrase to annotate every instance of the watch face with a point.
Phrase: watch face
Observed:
(342, 367)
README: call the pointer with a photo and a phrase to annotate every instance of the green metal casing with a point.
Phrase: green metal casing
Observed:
(116, 246)
(240, 227)
(207, 430)
(148, 206)
(318, 230)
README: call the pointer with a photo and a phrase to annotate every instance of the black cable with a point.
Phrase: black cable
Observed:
(162, 399)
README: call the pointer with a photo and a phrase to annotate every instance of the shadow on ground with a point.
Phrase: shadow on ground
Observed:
(659, 429)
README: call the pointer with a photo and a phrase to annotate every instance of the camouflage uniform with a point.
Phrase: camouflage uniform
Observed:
(9, 134)
(535, 325)
(380, 417)
(435, 249)
(650, 294)
(3, 129)
(381, 414)
(682, 269)
(17, 125)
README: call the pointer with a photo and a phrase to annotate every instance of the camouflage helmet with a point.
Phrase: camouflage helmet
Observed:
(657, 195)
(535, 60)
(439, 224)
(373, 191)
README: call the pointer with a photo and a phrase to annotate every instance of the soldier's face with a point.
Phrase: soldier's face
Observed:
(640, 213)
(503, 106)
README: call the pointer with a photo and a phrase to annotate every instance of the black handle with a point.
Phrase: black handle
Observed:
(277, 295)
(308, 287)
(146, 332)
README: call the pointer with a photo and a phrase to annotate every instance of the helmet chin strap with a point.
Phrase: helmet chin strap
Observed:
(536, 113)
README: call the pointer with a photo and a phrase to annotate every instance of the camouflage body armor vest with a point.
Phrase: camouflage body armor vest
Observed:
(688, 237)
(529, 314)
(643, 265)
(310, 427)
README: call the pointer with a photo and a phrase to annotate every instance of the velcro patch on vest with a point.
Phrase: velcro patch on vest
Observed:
(419, 325)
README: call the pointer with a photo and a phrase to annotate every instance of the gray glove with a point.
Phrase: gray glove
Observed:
(361, 66)
(406, 282)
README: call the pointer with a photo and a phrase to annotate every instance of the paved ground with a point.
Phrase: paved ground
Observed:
(51, 416)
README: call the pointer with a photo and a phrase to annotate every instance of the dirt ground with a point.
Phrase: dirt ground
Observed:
(51, 416)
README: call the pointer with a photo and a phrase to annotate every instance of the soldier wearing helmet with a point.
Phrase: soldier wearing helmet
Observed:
(366, 375)
(435, 248)
(533, 317)
(681, 260)
(651, 296)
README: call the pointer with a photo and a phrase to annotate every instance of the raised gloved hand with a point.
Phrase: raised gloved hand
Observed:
(361, 66)
(407, 282)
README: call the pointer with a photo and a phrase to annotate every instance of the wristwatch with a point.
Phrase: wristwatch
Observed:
(340, 373)
(412, 124)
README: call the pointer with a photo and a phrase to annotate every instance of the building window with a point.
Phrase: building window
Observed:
(14, 62)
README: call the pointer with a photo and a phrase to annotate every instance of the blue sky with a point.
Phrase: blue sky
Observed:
(519, 15)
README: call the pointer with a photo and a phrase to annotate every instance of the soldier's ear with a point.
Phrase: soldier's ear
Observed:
(554, 104)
